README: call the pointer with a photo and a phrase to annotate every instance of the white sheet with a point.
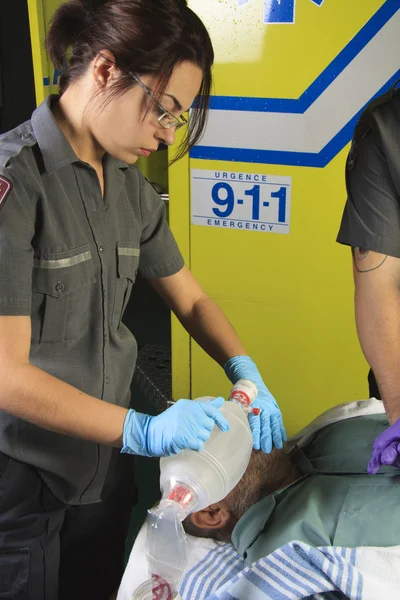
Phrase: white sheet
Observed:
(198, 548)
(297, 571)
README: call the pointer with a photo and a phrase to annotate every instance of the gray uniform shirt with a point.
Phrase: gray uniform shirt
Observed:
(68, 259)
(371, 219)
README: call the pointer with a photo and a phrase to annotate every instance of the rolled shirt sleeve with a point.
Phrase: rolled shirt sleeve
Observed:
(159, 252)
(371, 218)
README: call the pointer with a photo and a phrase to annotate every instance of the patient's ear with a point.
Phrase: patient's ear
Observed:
(215, 516)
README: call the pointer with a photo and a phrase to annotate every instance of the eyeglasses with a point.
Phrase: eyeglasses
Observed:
(165, 119)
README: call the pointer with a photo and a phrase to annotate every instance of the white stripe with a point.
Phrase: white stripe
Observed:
(223, 574)
(222, 569)
(345, 571)
(298, 567)
(205, 573)
(356, 578)
(288, 594)
(195, 572)
(335, 567)
(300, 579)
(244, 589)
(363, 77)
(325, 565)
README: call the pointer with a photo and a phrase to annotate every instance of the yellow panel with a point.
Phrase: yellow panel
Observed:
(49, 7)
(40, 13)
(36, 23)
(179, 218)
(254, 59)
(290, 297)
(155, 168)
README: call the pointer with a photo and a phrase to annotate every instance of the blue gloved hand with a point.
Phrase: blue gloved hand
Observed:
(186, 425)
(386, 449)
(267, 428)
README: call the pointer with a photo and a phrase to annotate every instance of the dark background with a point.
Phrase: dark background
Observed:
(17, 92)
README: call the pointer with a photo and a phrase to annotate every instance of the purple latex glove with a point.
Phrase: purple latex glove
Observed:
(386, 449)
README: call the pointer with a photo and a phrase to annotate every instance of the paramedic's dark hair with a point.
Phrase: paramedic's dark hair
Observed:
(146, 37)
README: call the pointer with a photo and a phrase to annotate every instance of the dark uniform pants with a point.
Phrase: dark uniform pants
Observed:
(52, 551)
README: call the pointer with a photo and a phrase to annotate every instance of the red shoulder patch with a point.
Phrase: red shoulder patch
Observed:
(5, 188)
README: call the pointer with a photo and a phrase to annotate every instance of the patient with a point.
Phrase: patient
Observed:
(320, 494)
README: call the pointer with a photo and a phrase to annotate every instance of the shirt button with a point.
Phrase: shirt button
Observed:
(107, 381)
(60, 286)
(26, 135)
(101, 249)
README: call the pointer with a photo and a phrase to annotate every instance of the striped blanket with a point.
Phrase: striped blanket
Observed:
(296, 571)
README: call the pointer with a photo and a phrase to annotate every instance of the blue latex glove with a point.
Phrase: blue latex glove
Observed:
(186, 425)
(267, 428)
(386, 449)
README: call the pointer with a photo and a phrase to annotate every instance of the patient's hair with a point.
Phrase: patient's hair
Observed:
(263, 475)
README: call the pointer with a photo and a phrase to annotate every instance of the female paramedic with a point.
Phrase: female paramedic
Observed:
(77, 223)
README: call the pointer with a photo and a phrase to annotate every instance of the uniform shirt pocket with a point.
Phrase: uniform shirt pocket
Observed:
(62, 285)
(127, 267)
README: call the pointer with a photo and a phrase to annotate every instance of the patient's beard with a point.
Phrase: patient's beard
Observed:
(265, 474)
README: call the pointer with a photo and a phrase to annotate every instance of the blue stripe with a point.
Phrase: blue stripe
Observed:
(266, 587)
(352, 571)
(329, 570)
(204, 565)
(339, 576)
(348, 54)
(335, 559)
(276, 573)
(193, 571)
(232, 568)
(224, 596)
(216, 567)
(294, 556)
(323, 81)
(241, 220)
(296, 159)
(251, 181)
(338, 556)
